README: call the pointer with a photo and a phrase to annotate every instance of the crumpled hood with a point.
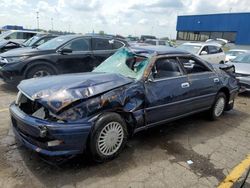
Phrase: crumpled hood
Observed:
(229, 68)
(57, 92)
(242, 68)
(4, 42)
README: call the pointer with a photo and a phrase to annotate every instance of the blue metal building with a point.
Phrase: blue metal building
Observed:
(234, 27)
(12, 27)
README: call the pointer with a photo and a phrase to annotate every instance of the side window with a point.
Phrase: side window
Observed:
(193, 66)
(12, 36)
(220, 50)
(118, 44)
(78, 45)
(102, 44)
(166, 68)
(20, 35)
(213, 49)
(27, 35)
(162, 43)
(205, 49)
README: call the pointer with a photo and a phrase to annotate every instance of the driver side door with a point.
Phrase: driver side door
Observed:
(79, 60)
(166, 92)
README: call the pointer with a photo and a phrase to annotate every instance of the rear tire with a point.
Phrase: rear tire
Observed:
(40, 71)
(218, 107)
(108, 137)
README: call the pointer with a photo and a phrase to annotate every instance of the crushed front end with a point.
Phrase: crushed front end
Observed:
(41, 131)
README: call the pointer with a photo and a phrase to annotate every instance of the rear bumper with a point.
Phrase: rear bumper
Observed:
(66, 139)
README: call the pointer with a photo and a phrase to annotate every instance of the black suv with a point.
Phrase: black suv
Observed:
(64, 54)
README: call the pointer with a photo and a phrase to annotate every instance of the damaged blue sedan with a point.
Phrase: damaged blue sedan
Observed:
(133, 90)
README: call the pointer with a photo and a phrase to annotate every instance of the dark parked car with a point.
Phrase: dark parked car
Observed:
(6, 45)
(133, 90)
(38, 40)
(64, 54)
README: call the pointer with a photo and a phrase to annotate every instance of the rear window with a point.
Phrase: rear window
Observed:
(152, 42)
(214, 49)
(118, 44)
(102, 44)
(162, 43)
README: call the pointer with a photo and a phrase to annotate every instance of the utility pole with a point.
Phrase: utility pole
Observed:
(69, 27)
(52, 25)
(37, 19)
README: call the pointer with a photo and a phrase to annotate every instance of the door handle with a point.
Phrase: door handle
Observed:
(185, 85)
(216, 80)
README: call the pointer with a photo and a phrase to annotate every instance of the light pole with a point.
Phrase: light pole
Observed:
(37, 19)
(69, 27)
(52, 25)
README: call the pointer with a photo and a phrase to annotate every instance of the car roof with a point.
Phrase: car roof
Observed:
(104, 36)
(154, 40)
(158, 50)
(202, 44)
(23, 31)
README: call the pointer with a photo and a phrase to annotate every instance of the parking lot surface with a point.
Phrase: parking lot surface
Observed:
(153, 158)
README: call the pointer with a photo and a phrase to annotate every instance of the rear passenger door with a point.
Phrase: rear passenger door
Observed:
(204, 83)
(167, 91)
(102, 48)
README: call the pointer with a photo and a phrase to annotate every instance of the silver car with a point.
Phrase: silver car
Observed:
(242, 70)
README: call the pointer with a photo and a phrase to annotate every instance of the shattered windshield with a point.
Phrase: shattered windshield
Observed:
(126, 63)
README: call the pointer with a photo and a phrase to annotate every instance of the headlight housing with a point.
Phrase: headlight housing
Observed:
(81, 110)
(15, 59)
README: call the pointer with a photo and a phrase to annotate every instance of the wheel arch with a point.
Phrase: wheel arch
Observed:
(35, 63)
(225, 90)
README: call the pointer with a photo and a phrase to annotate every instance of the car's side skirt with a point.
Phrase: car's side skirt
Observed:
(169, 120)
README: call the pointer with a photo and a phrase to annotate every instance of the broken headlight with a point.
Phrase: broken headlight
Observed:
(81, 110)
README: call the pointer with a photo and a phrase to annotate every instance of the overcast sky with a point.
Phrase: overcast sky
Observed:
(136, 17)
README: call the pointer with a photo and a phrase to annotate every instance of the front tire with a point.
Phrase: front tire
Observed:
(40, 71)
(108, 137)
(218, 107)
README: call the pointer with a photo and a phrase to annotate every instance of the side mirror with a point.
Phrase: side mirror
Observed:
(65, 51)
(204, 53)
(7, 38)
(189, 66)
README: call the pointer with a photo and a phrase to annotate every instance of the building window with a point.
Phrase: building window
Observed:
(215, 35)
(180, 36)
(231, 36)
(203, 36)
